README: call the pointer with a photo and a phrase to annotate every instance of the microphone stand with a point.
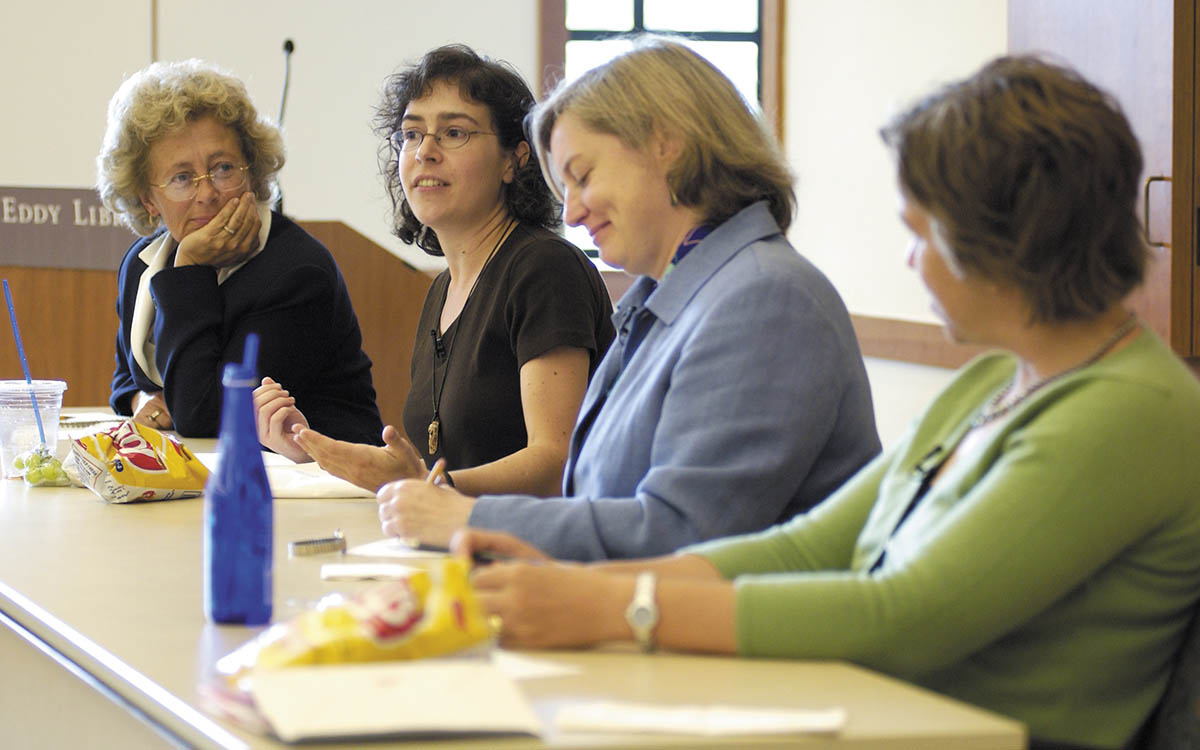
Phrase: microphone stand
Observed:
(288, 48)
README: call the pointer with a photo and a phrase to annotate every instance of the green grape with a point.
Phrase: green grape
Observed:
(19, 462)
(34, 476)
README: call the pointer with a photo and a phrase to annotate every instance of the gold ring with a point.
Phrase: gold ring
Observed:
(496, 624)
(154, 416)
(227, 229)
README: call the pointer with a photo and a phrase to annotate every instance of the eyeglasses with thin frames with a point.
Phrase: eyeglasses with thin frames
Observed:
(183, 186)
(450, 138)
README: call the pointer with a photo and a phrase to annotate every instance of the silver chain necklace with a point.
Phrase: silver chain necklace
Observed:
(995, 409)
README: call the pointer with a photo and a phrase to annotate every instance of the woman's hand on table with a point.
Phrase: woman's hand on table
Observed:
(227, 239)
(151, 410)
(366, 466)
(553, 606)
(469, 542)
(418, 510)
(277, 420)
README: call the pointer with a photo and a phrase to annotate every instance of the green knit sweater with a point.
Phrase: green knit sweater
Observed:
(1048, 577)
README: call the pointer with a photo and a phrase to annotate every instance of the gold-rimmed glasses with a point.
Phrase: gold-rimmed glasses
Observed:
(225, 176)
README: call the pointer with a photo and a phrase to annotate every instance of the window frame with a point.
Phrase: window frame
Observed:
(553, 45)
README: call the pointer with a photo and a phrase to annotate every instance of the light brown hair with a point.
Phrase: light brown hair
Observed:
(1032, 175)
(729, 158)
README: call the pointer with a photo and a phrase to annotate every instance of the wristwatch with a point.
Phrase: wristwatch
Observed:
(642, 612)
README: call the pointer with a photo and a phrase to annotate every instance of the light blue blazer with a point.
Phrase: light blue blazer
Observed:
(746, 403)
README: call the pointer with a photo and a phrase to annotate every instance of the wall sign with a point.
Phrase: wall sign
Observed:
(60, 228)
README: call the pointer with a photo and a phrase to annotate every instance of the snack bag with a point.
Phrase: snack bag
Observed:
(131, 462)
(432, 612)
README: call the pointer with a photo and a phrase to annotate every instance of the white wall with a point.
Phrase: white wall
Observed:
(63, 60)
(850, 65)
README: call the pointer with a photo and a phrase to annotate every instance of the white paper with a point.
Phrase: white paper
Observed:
(366, 571)
(292, 480)
(523, 667)
(455, 697)
(617, 716)
(392, 547)
(310, 480)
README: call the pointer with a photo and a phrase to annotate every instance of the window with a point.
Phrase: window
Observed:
(740, 37)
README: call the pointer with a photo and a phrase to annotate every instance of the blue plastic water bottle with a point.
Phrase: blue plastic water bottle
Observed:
(238, 513)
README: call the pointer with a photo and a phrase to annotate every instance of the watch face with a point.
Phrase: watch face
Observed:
(642, 617)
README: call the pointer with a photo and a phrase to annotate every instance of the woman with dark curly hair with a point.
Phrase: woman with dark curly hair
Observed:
(511, 331)
(189, 164)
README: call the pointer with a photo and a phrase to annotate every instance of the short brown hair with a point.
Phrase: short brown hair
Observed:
(160, 99)
(1032, 174)
(729, 161)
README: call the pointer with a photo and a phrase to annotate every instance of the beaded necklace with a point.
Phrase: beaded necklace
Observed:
(995, 409)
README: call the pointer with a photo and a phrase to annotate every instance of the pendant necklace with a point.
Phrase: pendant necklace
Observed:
(996, 409)
(435, 425)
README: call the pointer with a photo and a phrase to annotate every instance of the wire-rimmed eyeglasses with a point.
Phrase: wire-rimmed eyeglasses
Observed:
(409, 139)
(183, 186)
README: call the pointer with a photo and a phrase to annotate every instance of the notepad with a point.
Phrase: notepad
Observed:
(622, 716)
(393, 547)
(372, 571)
(398, 699)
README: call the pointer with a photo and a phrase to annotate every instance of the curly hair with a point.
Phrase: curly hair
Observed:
(160, 99)
(730, 159)
(492, 83)
(1031, 174)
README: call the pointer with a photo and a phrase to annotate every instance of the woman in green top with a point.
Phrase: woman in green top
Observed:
(1032, 544)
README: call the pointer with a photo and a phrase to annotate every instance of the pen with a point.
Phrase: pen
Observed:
(437, 472)
(479, 558)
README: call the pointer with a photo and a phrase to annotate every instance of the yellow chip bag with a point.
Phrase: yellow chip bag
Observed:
(132, 462)
(432, 612)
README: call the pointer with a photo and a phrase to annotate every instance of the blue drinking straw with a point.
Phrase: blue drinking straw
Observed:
(12, 316)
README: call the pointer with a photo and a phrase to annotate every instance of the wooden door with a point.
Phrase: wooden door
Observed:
(1143, 52)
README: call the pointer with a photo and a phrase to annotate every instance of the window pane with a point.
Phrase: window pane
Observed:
(608, 15)
(689, 15)
(738, 61)
(582, 56)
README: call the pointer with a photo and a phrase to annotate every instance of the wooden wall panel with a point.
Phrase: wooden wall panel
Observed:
(68, 325)
(909, 341)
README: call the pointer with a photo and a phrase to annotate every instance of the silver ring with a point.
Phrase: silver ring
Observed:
(227, 229)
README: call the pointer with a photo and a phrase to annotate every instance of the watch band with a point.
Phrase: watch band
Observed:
(642, 612)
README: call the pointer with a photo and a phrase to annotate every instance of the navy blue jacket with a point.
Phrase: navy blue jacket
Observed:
(292, 295)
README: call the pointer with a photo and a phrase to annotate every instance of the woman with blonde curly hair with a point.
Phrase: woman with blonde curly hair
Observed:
(188, 164)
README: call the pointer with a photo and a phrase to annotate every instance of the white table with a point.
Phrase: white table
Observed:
(105, 641)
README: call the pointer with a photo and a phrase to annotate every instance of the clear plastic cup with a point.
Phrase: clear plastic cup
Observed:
(18, 426)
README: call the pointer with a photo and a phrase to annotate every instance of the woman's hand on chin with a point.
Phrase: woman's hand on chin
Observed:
(228, 239)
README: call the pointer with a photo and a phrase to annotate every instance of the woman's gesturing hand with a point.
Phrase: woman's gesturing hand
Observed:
(277, 419)
(367, 466)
